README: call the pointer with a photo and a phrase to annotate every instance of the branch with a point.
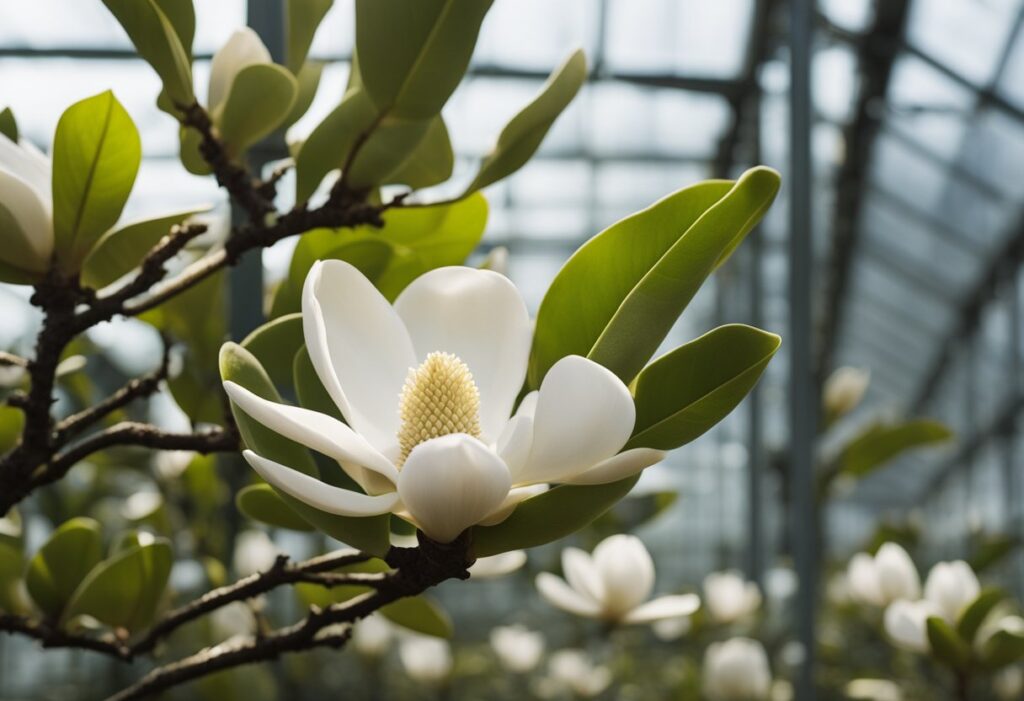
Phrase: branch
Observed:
(51, 637)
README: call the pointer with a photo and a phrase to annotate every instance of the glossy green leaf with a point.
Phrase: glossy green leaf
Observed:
(261, 97)
(8, 124)
(974, 615)
(430, 163)
(690, 389)
(182, 16)
(328, 146)
(618, 296)
(549, 516)
(946, 645)
(12, 421)
(390, 144)
(158, 41)
(988, 550)
(881, 443)
(125, 590)
(96, 155)
(308, 81)
(1003, 648)
(261, 503)
(121, 250)
(60, 565)
(12, 564)
(521, 138)
(274, 345)
(310, 390)
(190, 155)
(413, 55)
(302, 17)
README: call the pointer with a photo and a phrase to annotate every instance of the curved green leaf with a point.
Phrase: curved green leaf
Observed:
(974, 615)
(431, 162)
(413, 55)
(12, 421)
(12, 565)
(522, 136)
(946, 645)
(274, 345)
(329, 144)
(308, 82)
(302, 17)
(121, 250)
(125, 590)
(8, 124)
(387, 147)
(60, 565)
(261, 97)
(618, 296)
(1003, 648)
(261, 503)
(96, 155)
(690, 389)
(881, 443)
(549, 516)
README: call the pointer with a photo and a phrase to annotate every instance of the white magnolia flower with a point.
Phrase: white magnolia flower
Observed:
(372, 636)
(873, 690)
(736, 669)
(669, 629)
(888, 576)
(612, 585)
(574, 670)
(498, 565)
(1009, 684)
(906, 623)
(728, 597)
(844, 389)
(427, 388)
(426, 660)
(254, 552)
(244, 48)
(951, 587)
(518, 649)
(25, 193)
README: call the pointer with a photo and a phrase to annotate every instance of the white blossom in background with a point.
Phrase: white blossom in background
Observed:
(372, 636)
(844, 389)
(728, 597)
(906, 623)
(886, 577)
(426, 660)
(427, 387)
(781, 584)
(254, 552)
(873, 690)
(1008, 684)
(612, 585)
(498, 565)
(669, 629)
(951, 587)
(25, 182)
(244, 48)
(737, 670)
(781, 690)
(235, 620)
(574, 670)
(518, 649)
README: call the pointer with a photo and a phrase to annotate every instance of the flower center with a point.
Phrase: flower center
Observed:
(439, 398)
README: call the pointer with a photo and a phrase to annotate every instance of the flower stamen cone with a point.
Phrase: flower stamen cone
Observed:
(439, 398)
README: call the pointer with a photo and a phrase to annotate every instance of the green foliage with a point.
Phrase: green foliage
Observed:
(521, 138)
(96, 155)
(8, 124)
(430, 163)
(330, 143)
(158, 39)
(549, 516)
(56, 570)
(974, 615)
(1002, 649)
(618, 296)
(989, 550)
(260, 99)
(308, 81)
(946, 645)
(882, 442)
(687, 391)
(274, 345)
(261, 503)
(302, 17)
(12, 421)
(12, 564)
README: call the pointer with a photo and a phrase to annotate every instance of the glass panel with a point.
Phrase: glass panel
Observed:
(927, 106)
(835, 82)
(994, 151)
(536, 34)
(851, 15)
(1012, 82)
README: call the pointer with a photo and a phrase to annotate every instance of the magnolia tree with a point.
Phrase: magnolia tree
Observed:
(396, 401)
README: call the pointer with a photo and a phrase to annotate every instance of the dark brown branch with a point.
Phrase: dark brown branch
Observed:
(52, 637)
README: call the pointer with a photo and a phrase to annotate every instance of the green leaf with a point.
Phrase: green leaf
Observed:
(124, 591)
(690, 389)
(549, 516)
(329, 144)
(974, 615)
(189, 154)
(390, 143)
(302, 17)
(96, 155)
(946, 645)
(119, 251)
(618, 296)
(431, 162)
(12, 421)
(66, 557)
(260, 99)
(310, 390)
(413, 55)
(158, 40)
(308, 81)
(12, 565)
(9, 125)
(261, 503)
(274, 345)
(522, 136)
(990, 550)
(1003, 648)
(881, 443)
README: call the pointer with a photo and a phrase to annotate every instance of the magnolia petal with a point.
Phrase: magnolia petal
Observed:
(862, 576)
(556, 592)
(516, 439)
(584, 416)
(498, 565)
(359, 348)
(906, 623)
(582, 575)
(32, 246)
(322, 433)
(515, 497)
(244, 48)
(479, 316)
(626, 570)
(617, 467)
(663, 607)
(317, 494)
(27, 163)
(451, 483)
